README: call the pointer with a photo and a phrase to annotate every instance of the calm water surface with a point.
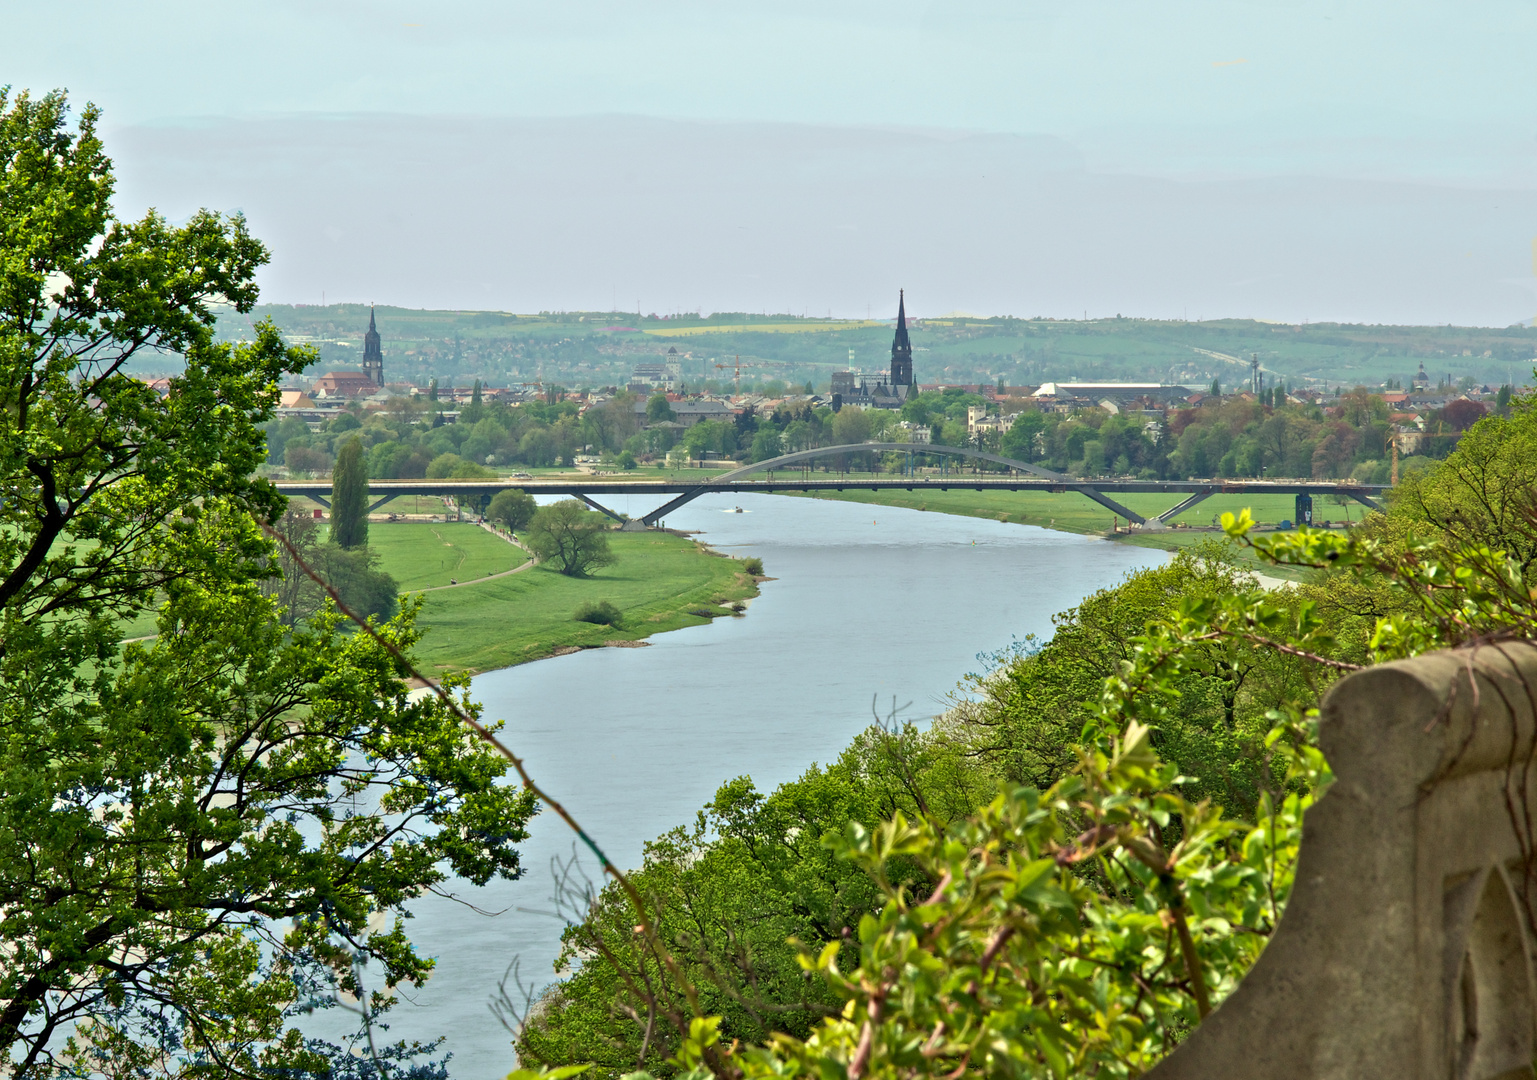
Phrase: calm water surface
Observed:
(869, 602)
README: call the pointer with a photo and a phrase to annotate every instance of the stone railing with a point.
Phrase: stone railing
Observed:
(1407, 948)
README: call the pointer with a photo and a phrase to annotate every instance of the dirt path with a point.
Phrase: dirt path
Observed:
(490, 577)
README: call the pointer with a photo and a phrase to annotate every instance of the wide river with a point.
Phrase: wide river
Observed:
(870, 604)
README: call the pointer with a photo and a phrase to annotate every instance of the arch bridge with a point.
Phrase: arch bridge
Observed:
(741, 480)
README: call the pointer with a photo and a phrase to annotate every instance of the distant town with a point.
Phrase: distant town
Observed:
(1221, 427)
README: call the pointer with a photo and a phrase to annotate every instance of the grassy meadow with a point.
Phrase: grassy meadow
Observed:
(419, 555)
(659, 582)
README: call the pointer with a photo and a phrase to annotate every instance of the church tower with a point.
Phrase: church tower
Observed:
(373, 359)
(901, 353)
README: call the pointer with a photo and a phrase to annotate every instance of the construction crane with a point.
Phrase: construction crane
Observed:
(751, 364)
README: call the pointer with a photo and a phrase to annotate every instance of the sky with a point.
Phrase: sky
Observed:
(1356, 161)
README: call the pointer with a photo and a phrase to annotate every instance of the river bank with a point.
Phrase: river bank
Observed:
(659, 581)
(1071, 512)
(870, 611)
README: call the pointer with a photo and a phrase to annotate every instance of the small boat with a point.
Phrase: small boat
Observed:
(738, 510)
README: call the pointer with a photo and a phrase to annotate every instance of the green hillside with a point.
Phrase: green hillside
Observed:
(595, 349)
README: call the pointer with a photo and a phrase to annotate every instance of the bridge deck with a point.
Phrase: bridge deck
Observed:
(382, 491)
(838, 483)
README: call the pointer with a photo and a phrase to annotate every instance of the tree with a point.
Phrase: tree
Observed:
(349, 497)
(512, 510)
(1019, 441)
(181, 861)
(766, 443)
(658, 410)
(1462, 414)
(570, 538)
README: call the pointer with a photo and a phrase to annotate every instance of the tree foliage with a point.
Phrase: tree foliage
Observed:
(512, 509)
(1126, 875)
(570, 538)
(349, 497)
(204, 834)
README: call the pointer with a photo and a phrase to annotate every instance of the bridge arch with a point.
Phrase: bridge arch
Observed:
(884, 447)
(726, 479)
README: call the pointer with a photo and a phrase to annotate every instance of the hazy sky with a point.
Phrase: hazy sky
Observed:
(1388, 148)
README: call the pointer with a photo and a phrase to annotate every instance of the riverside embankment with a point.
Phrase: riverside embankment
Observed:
(869, 607)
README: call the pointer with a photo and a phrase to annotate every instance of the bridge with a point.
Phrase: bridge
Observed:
(1029, 478)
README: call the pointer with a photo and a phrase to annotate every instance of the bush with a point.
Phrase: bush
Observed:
(753, 566)
(626, 460)
(602, 613)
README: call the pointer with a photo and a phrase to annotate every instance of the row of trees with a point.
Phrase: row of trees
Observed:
(1232, 437)
(408, 439)
(1235, 437)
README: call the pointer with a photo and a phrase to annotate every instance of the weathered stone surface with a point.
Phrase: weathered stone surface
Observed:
(1407, 948)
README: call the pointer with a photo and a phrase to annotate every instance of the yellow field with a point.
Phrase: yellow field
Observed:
(766, 328)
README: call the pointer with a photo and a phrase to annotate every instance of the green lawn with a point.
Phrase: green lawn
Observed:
(658, 582)
(419, 555)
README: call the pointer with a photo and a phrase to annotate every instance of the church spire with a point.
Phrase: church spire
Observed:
(901, 350)
(373, 356)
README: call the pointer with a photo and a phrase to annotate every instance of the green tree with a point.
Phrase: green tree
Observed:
(1019, 442)
(569, 537)
(278, 434)
(658, 410)
(766, 443)
(349, 497)
(182, 857)
(512, 509)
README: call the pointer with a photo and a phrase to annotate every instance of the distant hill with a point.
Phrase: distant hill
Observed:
(600, 348)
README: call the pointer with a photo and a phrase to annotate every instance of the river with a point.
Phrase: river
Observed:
(869, 604)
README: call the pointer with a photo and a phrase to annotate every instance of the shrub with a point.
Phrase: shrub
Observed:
(603, 613)
(626, 460)
(753, 566)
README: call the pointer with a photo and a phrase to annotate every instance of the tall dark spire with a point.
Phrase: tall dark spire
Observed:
(373, 357)
(901, 351)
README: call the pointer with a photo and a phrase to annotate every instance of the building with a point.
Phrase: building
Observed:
(901, 353)
(666, 376)
(689, 413)
(1119, 394)
(373, 358)
(344, 384)
(978, 422)
(880, 389)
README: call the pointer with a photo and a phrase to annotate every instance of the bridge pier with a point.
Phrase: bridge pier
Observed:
(1161, 521)
(601, 508)
(1110, 504)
